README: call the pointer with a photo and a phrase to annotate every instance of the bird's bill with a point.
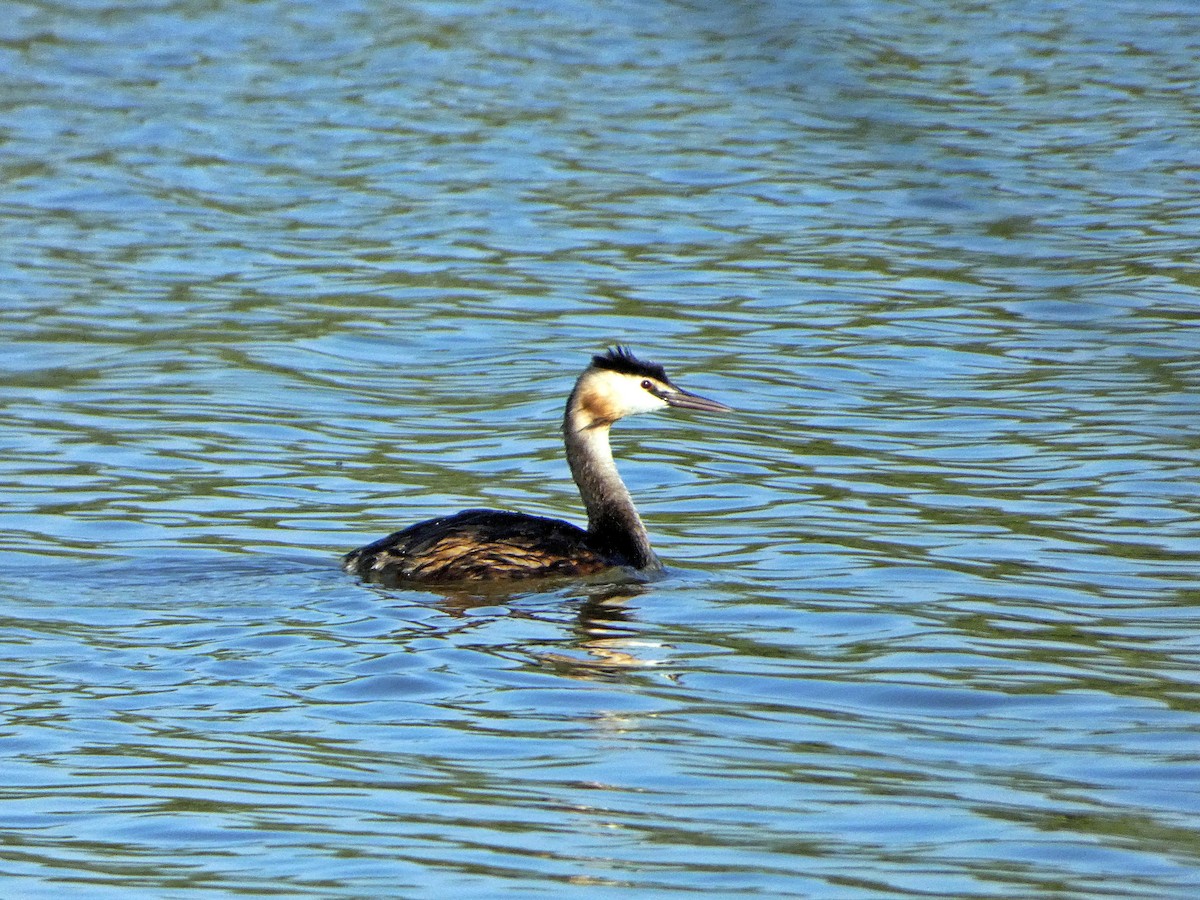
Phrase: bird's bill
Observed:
(687, 400)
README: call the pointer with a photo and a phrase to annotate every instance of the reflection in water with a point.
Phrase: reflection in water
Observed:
(602, 640)
(599, 634)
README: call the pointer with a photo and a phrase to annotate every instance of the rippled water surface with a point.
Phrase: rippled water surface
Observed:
(281, 277)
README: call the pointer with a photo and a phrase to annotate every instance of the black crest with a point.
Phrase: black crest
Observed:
(619, 359)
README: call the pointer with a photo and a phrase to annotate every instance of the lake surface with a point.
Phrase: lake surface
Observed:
(281, 277)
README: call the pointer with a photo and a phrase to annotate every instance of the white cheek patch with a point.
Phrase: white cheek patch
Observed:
(650, 401)
(613, 395)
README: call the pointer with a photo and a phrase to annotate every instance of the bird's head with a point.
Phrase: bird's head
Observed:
(618, 384)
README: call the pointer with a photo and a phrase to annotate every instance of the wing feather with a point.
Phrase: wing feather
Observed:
(476, 545)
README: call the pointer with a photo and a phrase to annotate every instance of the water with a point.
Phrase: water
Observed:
(281, 277)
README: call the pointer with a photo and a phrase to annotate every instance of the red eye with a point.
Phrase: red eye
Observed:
(648, 385)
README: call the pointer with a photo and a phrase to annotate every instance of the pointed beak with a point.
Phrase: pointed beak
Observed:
(687, 400)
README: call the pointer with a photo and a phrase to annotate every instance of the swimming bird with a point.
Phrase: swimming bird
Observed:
(493, 545)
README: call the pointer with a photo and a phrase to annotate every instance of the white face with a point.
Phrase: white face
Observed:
(609, 395)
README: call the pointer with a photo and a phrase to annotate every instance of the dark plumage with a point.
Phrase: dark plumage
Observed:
(482, 544)
(620, 359)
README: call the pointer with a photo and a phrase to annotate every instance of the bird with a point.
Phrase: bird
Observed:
(481, 545)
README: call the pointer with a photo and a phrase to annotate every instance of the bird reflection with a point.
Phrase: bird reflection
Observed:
(604, 641)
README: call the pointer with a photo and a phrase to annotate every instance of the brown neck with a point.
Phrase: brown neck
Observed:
(614, 526)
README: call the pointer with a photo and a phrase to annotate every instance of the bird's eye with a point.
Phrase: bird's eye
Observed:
(647, 385)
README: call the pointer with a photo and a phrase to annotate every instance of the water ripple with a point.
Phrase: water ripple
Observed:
(281, 281)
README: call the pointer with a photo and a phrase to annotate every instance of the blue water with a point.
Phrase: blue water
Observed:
(279, 278)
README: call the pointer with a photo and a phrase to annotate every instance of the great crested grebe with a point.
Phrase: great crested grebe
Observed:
(488, 544)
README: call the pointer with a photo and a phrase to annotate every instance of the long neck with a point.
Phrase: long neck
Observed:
(613, 522)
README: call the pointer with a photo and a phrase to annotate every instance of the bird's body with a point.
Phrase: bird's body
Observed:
(480, 544)
(483, 544)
